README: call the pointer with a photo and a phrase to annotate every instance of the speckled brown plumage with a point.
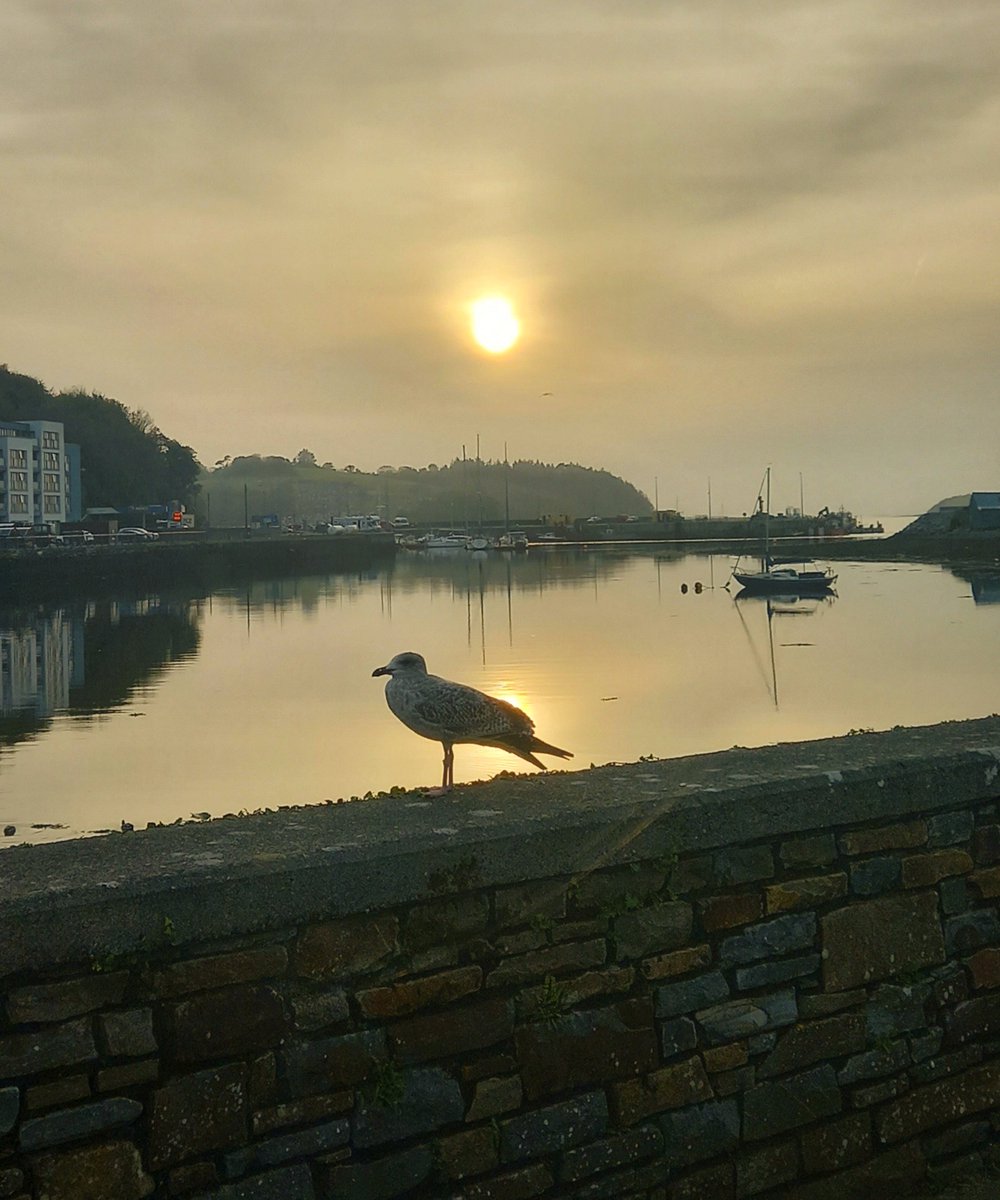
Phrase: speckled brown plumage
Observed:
(451, 713)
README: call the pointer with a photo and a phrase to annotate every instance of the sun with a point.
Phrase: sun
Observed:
(494, 325)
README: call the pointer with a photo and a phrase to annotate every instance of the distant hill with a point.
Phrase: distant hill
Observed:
(459, 494)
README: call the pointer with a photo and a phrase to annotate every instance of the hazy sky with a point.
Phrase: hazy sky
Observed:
(734, 233)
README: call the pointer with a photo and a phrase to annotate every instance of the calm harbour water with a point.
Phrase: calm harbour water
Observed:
(177, 705)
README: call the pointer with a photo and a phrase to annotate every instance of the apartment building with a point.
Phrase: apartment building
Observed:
(39, 474)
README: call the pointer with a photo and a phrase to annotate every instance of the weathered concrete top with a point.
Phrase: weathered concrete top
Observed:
(70, 901)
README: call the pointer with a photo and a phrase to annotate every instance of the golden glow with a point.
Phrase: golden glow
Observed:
(494, 325)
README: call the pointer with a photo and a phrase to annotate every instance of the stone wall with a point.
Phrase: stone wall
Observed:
(766, 973)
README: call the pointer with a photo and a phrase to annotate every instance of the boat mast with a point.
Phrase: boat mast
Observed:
(767, 518)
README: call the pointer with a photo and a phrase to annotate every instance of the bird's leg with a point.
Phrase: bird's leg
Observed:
(448, 774)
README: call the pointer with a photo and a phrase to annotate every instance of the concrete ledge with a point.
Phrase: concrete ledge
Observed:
(72, 901)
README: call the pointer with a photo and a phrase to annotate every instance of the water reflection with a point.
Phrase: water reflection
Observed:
(86, 659)
(262, 696)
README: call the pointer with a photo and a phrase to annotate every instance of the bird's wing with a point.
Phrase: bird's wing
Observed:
(465, 714)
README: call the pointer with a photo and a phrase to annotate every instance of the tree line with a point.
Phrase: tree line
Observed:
(126, 460)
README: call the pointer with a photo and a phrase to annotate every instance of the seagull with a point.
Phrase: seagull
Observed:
(449, 713)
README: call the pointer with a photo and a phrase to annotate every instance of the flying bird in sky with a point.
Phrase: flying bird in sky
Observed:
(450, 713)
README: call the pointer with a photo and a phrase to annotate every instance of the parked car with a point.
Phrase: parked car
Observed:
(136, 535)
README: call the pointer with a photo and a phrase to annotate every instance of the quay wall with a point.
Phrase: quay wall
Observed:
(760, 973)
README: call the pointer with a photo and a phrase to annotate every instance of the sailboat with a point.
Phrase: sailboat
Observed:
(780, 577)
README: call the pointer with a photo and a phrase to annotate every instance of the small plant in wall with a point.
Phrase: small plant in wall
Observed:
(552, 1001)
(385, 1086)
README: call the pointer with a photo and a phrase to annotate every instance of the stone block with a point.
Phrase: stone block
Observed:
(576, 990)
(673, 1086)
(893, 1172)
(742, 864)
(582, 1048)
(872, 1064)
(312, 1011)
(729, 910)
(676, 999)
(219, 970)
(530, 902)
(877, 1093)
(949, 828)
(228, 1023)
(494, 1096)
(611, 889)
(522, 1184)
(411, 995)
(743, 1018)
(453, 920)
(986, 883)
(837, 1144)
(825, 1004)
(556, 960)
(729, 1083)
(811, 892)
(471, 1152)
(453, 1031)
(47, 1049)
(725, 1058)
(557, 1127)
(946, 1064)
(347, 947)
(699, 1132)
(430, 1098)
(198, 1113)
(781, 970)
(301, 1143)
(894, 1009)
(128, 1075)
(691, 875)
(623, 1149)
(769, 1167)
(769, 939)
(967, 931)
(71, 1124)
(924, 870)
(814, 1041)
(954, 895)
(678, 962)
(332, 1063)
(706, 1183)
(283, 1184)
(817, 851)
(192, 1177)
(925, 1045)
(875, 939)
(678, 1036)
(262, 1079)
(109, 1171)
(45, 1002)
(486, 1065)
(127, 1034)
(940, 1103)
(650, 930)
(307, 1111)
(384, 1179)
(10, 1106)
(60, 1091)
(978, 1018)
(11, 1180)
(905, 835)
(986, 845)
(773, 1108)
(958, 1139)
(873, 876)
(984, 967)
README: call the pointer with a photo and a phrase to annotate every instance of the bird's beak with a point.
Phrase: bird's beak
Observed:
(381, 671)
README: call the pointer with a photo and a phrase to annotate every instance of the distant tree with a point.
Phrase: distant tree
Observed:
(305, 458)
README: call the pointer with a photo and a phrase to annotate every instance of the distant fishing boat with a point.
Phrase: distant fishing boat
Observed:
(779, 577)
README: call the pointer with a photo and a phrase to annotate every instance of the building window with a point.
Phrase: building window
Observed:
(18, 504)
(19, 481)
(51, 483)
(50, 439)
(53, 504)
(18, 458)
(50, 461)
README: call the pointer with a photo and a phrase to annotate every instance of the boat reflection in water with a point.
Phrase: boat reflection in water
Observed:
(793, 604)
